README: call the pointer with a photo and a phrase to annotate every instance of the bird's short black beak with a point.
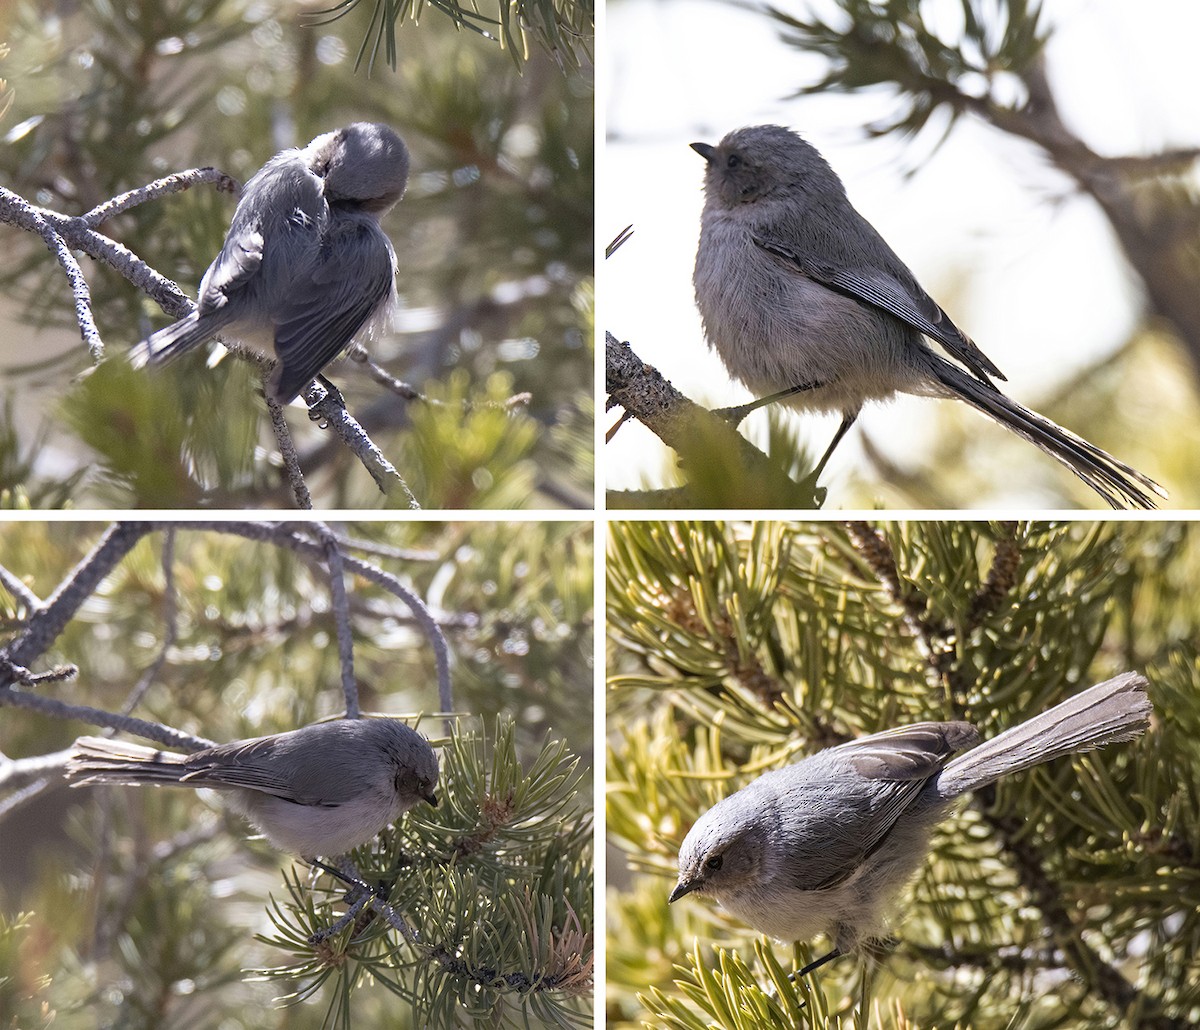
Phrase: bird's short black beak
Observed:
(682, 888)
(705, 150)
(431, 797)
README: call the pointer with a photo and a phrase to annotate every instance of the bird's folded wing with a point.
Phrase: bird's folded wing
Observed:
(915, 308)
(330, 305)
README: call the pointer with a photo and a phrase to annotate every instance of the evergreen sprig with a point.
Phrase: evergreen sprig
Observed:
(493, 889)
(928, 62)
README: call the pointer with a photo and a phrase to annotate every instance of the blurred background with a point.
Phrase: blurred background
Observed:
(1077, 273)
(142, 906)
(493, 239)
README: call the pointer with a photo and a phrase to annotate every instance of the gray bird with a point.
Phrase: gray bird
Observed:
(305, 269)
(806, 303)
(826, 845)
(323, 789)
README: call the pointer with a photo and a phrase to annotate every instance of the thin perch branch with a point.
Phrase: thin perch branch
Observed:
(33, 219)
(341, 614)
(176, 183)
(733, 471)
(331, 410)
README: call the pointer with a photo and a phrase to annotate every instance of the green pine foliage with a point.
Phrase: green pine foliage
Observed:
(1064, 896)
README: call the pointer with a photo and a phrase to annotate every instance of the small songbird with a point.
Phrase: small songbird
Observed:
(807, 304)
(827, 844)
(305, 269)
(323, 789)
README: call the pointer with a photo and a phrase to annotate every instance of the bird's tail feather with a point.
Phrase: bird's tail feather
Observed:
(100, 760)
(173, 340)
(1120, 485)
(1115, 710)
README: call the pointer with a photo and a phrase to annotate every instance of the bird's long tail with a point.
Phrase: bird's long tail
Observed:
(173, 340)
(1119, 484)
(100, 760)
(1115, 710)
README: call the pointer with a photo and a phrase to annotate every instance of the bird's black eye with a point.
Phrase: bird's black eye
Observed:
(732, 161)
(714, 863)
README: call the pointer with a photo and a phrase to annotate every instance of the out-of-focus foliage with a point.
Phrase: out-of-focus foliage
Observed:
(898, 47)
(563, 28)
(143, 905)
(493, 238)
(733, 649)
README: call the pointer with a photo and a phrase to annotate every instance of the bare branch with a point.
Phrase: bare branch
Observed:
(734, 471)
(341, 615)
(171, 626)
(287, 451)
(45, 625)
(58, 247)
(98, 717)
(331, 410)
(176, 183)
(99, 247)
(359, 354)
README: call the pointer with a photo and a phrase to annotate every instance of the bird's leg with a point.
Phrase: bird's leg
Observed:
(334, 396)
(736, 414)
(815, 964)
(848, 419)
(358, 897)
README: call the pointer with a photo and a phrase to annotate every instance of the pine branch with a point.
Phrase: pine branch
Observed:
(487, 911)
(724, 468)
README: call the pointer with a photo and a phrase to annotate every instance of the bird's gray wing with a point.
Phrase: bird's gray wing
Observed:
(905, 301)
(913, 752)
(352, 273)
(283, 201)
(877, 779)
(239, 261)
(256, 765)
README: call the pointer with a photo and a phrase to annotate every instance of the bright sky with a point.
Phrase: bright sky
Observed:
(983, 222)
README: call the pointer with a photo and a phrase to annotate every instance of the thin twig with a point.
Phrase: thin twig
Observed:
(359, 355)
(332, 412)
(32, 218)
(170, 626)
(387, 550)
(341, 615)
(287, 452)
(98, 717)
(176, 183)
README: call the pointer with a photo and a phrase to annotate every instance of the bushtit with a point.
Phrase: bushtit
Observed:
(323, 789)
(825, 845)
(305, 268)
(805, 302)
